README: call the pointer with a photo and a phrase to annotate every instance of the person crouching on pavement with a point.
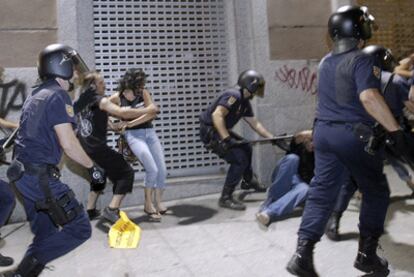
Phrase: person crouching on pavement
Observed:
(290, 180)
(216, 123)
(93, 108)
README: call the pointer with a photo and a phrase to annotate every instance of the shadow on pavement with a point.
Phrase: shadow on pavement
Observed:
(399, 254)
(181, 214)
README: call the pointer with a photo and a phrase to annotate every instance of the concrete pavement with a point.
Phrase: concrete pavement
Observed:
(196, 238)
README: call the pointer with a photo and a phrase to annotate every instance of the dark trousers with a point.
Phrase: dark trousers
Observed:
(239, 157)
(338, 154)
(348, 188)
(49, 241)
(7, 202)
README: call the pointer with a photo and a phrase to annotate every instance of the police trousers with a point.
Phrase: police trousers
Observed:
(239, 157)
(339, 153)
(7, 201)
(51, 242)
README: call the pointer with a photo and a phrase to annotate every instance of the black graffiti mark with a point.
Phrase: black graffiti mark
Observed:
(11, 103)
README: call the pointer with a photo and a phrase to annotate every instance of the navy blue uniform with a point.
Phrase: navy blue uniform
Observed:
(239, 157)
(37, 144)
(395, 90)
(339, 152)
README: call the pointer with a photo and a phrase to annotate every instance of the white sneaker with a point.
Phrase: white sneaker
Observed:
(263, 220)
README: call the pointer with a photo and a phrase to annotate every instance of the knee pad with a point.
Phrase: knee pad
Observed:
(98, 187)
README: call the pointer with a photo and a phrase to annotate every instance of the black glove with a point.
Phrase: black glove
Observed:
(230, 142)
(97, 174)
(398, 144)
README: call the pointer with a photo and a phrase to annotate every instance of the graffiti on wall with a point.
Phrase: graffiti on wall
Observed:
(303, 78)
(13, 95)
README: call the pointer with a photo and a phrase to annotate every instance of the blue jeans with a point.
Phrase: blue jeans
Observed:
(144, 143)
(287, 190)
(7, 201)
(51, 242)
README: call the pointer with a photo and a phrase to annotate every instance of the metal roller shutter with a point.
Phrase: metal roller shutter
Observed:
(182, 45)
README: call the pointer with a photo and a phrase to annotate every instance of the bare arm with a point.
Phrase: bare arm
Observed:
(410, 106)
(114, 98)
(121, 112)
(71, 145)
(404, 68)
(8, 124)
(218, 117)
(149, 104)
(142, 119)
(375, 105)
(258, 127)
(112, 106)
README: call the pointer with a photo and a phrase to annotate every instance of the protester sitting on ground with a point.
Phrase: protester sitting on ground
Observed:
(290, 180)
(92, 109)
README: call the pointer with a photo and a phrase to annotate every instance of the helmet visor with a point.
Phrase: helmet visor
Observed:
(260, 89)
(78, 62)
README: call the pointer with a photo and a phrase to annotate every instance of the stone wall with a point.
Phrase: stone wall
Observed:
(26, 27)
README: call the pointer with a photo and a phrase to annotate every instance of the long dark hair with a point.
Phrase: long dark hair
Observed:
(133, 79)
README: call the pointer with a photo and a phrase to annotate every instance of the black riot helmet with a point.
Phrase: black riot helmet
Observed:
(348, 25)
(383, 55)
(58, 60)
(252, 81)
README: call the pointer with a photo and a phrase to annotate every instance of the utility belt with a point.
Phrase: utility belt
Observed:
(211, 139)
(374, 136)
(56, 208)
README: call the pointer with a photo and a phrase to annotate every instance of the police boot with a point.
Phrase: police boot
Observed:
(226, 200)
(253, 183)
(28, 267)
(332, 227)
(5, 261)
(301, 264)
(367, 259)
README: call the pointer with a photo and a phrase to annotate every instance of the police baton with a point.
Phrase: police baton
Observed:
(270, 140)
(279, 141)
(9, 141)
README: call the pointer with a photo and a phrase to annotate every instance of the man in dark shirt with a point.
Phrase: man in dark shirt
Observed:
(216, 123)
(92, 108)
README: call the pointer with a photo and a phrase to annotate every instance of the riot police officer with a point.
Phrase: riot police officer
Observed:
(395, 91)
(58, 221)
(215, 132)
(349, 101)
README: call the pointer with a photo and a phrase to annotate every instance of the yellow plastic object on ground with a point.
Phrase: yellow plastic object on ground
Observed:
(124, 233)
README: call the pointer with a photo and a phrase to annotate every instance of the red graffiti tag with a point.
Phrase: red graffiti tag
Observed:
(304, 79)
